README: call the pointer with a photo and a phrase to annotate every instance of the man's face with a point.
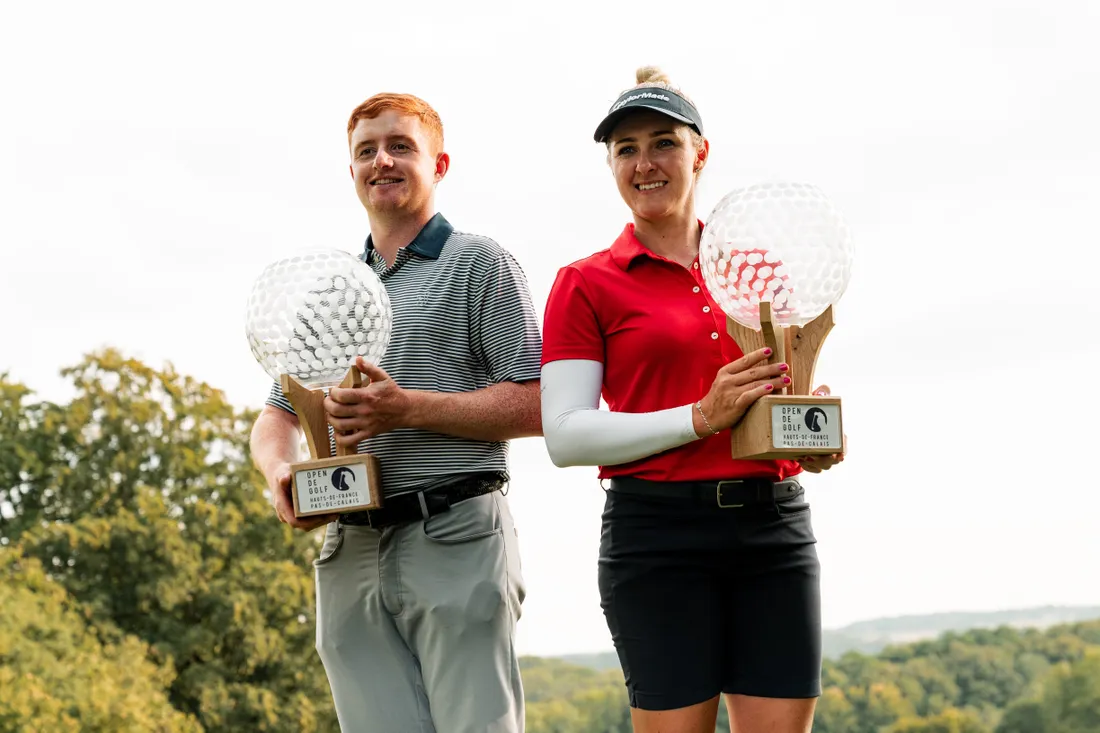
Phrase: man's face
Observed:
(394, 164)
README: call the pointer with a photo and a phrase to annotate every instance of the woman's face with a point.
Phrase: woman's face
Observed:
(654, 161)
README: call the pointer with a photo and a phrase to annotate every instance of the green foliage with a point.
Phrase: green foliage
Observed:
(1023, 717)
(26, 452)
(1069, 701)
(567, 698)
(58, 674)
(960, 681)
(951, 720)
(147, 586)
(955, 684)
(139, 498)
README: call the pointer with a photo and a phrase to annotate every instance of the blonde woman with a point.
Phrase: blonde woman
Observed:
(708, 568)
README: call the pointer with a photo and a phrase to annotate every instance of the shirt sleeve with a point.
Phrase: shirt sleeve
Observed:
(578, 433)
(503, 322)
(276, 398)
(571, 327)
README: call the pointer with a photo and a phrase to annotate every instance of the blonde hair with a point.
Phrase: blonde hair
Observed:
(652, 76)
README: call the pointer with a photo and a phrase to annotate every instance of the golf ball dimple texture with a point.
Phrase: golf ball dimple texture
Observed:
(784, 243)
(310, 315)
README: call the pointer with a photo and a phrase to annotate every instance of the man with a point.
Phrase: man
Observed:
(417, 602)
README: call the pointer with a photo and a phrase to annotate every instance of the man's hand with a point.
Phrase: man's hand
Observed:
(363, 412)
(817, 464)
(284, 504)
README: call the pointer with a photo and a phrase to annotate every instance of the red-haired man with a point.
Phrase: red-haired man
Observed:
(417, 602)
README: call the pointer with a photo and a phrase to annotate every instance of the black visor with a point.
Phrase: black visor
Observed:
(654, 98)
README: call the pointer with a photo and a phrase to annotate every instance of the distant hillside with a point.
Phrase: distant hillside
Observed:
(598, 661)
(1000, 680)
(871, 637)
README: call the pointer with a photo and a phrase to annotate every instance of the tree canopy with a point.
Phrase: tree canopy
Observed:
(147, 586)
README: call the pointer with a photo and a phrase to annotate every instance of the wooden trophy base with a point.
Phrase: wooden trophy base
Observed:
(789, 426)
(329, 484)
(791, 423)
(336, 485)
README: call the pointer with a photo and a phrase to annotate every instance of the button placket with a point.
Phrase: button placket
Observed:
(706, 306)
(696, 290)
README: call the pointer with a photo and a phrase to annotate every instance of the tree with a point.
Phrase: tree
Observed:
(605, 709)
(553, 716)
(1072, 695)
(26, 452)
(146, 585)
(1069, 702)
(1026, 716)
(951, 720)
(835, 713)
(568, 698)
(930, 687)
(57, 674)
(146, 508)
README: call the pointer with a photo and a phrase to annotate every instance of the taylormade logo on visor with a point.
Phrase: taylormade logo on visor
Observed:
(643, 95)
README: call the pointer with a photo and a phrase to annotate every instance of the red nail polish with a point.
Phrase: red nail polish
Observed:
(783, 367)
(767, 352)
(786, 380)
(768, 387)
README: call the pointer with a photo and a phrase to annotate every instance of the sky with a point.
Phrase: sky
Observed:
(154, 158)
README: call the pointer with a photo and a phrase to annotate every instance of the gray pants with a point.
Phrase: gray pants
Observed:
(416, 623)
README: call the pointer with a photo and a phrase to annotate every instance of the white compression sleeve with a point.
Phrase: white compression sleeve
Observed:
(578, 433)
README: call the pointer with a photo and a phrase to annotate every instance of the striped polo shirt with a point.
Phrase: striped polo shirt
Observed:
(463, 320)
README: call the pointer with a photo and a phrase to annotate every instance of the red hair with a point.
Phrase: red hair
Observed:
(404, 104)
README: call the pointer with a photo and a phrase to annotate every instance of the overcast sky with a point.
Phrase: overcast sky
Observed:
(154, 158)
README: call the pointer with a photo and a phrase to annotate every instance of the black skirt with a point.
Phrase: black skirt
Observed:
(702, 599)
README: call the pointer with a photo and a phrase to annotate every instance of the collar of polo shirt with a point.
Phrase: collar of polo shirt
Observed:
(428, 242)
(626, 249)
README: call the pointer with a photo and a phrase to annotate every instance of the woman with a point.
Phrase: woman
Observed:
(708, 569)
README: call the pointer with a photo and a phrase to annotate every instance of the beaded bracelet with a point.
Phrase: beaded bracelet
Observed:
(699, 407)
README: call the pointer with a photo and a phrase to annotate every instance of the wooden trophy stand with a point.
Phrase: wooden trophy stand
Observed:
(791, 423)
(347, 482)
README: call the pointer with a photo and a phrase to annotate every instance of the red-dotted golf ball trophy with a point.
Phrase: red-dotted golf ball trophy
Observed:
(777, 257)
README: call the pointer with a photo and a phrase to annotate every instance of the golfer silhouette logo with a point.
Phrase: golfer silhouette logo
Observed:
(816, 420)
(342, 478)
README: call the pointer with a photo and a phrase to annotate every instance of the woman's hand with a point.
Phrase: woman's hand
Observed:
(736, 387)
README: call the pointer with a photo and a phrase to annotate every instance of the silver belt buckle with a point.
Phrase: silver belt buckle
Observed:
(718, 494)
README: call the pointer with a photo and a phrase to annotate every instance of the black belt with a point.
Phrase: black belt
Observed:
(428, 501)
(728, 494)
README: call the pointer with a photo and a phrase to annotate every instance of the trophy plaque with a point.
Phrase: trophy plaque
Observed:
(308, 317)
(777, 257)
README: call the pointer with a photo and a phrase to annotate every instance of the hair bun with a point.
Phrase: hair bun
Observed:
(651, 75)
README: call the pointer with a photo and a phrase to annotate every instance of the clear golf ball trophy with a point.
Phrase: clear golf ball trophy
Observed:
(777, 257)
(308, 317)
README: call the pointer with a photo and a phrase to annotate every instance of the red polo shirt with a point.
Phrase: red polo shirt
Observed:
(661, 339)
